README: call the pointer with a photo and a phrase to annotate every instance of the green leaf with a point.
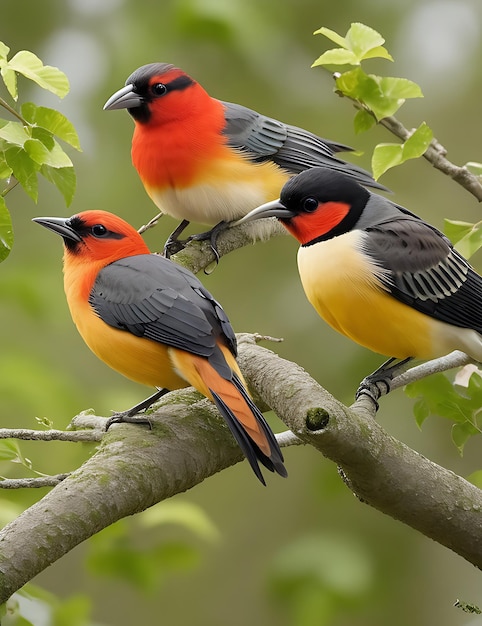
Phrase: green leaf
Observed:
(456, 229)
(39, 153)
(363, 41)
(14, 133)
(63, 178)
(46, 76)
(6, 231)
(474, 167)
(438, 396)
(24, 170)
(363, 121)
(385, 156)
(418, 142)
(382, 95)
(476, 478)
(336, 56)
(5, 169)
(466, 237)
(43, 135)
(332, 35)
(399, 88)
(10, 80)
(53, 121)
(4, 50)
(9, 450)
(461, 433)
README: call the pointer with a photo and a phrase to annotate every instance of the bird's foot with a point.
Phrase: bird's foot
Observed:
(173, 243)
(378, 383)
(173, 246)
(131, 415)
(212, 236)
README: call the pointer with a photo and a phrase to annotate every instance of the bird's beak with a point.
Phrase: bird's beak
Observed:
(59, 225)
(125, 98)
(270, 209)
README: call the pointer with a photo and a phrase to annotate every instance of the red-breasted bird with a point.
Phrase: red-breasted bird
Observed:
(203, 160)
(376, 272)
(154, 322)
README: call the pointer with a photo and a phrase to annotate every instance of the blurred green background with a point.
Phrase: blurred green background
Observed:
(302, 551)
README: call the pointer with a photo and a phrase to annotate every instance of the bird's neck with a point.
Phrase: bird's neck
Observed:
(173, 150)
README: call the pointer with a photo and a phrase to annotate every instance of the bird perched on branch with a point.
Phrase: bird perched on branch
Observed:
(154, 322)
(376, 272)
(203, 160)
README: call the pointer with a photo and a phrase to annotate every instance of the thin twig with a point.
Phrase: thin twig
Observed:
(288, 438)
(150, 223)
(11, 110)
(29, 483)
(435, 153)
(454, 359)
(51, 435)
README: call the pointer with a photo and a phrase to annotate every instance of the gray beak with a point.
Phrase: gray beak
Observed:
(125, 98)
(59, 225)
(270, 209)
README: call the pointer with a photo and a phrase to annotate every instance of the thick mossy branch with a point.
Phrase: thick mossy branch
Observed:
(382, 471)
(135, 468)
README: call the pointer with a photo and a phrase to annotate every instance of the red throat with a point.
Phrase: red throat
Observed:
(184, 133)
(308, 226)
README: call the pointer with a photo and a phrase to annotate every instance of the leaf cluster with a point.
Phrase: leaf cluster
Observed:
(378, 97)
(28, 143)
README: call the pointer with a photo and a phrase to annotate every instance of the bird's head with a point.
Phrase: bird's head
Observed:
(95, 236)
(155, 93)
(315, 205)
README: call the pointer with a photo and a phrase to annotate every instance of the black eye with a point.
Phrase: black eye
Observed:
(310, 205)
(158, 89)
(99, 230)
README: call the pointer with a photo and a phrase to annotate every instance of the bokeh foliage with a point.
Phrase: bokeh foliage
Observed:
(264, 568)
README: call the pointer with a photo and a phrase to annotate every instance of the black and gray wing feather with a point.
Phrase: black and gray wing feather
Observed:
(294, 149)
(422, 269)
(151, 297)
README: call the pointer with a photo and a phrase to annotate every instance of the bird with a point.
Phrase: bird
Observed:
(377, 273)
(154, 322)
(207, 161)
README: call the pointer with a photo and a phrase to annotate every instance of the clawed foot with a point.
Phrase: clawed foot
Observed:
(173, 246)
(131, 415)
(212, 236)
(125, 417)
(378, 383)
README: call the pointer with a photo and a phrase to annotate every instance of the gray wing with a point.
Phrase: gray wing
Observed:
(423, 270)
(151, 297)
(294, 149)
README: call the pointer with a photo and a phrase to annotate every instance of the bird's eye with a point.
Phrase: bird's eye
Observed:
(99, 230)
(158, 89)
(310, 205)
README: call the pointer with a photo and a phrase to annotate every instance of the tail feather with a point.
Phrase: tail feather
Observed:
(247, 437)
(245, 420)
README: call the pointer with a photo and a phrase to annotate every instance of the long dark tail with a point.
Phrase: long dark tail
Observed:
(252, 432)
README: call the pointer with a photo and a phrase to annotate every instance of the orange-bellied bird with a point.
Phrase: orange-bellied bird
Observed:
(204, 160)
(376, 272)
(154, 322)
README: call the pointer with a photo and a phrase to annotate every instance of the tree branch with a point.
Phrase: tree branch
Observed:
(135, 468)
(435, 153)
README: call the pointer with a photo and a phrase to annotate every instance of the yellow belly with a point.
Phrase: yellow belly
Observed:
(226, 189)
(343, 287)
(142, 360)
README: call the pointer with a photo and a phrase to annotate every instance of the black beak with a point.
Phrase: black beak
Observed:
(125, 98)
(270, 209)
(59, 225)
